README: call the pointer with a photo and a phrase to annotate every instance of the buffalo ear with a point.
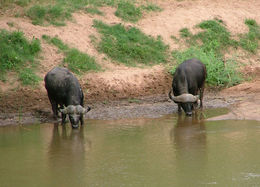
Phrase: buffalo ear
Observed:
(85, 110)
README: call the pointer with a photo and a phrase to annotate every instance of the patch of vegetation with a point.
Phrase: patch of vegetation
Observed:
(18, 54)
(134, 100)
(185, 33)
(209, 47)
(55, 15)
(56, 12)
(127, 11)
(214, 37)
(28, 77)
(76, 61)
(93, 10)
(130, 46)
(250, 40)
(22, 3)
(151, 7)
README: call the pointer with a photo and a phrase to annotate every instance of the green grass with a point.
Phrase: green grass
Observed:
(18, 54)
(55, 15)
(214, 37)
(185, 33)
(127, 11)
(151, 8)
(130, 46)
(76, 61)
(250, 40)
(28, 77)
(134, 100)
(93, 10)
(57, 12)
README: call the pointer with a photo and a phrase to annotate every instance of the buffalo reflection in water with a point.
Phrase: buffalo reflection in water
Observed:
(67, 152)
(190, 143)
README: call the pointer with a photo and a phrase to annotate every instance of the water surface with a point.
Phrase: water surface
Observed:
(168, 151)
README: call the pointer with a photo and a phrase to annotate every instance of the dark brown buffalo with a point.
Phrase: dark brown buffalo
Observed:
(188, 79)
(64, 91)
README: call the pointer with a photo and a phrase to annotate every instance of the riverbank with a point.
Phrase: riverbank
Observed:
(241, 107)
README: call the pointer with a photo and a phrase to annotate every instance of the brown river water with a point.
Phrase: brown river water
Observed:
(168, 151)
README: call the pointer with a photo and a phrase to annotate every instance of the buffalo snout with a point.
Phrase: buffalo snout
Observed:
(74, 120)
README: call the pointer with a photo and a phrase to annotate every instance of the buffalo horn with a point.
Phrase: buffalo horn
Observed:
(184, 98)
(82, 110)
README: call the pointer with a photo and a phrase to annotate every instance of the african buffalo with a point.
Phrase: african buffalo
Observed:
(64, 90)
(188, 78)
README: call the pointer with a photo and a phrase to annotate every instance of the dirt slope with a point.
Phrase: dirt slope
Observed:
(118, 81)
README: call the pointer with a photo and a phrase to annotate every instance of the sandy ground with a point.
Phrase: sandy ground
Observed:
(117, 85)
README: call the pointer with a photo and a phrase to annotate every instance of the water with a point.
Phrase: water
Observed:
(168, 151)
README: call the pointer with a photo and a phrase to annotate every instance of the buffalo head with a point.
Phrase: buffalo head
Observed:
(75, 113)
(186, 101)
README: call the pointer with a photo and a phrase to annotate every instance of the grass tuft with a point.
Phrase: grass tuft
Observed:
(130, 46)
(55, 15)
(17, 53)
(151, 8)
(185, 33)
(250, 40)
(93, 10)
(127, 11)
(76, 61)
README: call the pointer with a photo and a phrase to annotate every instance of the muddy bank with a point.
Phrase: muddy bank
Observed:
(143, 107)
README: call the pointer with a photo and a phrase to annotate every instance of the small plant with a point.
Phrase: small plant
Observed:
(128, 11)
(151, 7)
(17, 53)
(134, 100)
(57, 42)
(130, 46)
(77, 61)
(55, 15)
(93, 10)
(185, 33)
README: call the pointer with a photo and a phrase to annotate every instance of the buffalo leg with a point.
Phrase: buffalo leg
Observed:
(63, 116)
(201, 95)
(179, 108)
(81, 119)
(54, 107)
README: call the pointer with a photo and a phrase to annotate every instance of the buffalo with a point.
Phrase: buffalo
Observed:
(188, 79)
(65, 95)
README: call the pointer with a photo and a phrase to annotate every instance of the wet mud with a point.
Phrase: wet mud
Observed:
(143, 107)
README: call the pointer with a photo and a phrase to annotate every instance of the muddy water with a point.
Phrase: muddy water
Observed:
(167, 151)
